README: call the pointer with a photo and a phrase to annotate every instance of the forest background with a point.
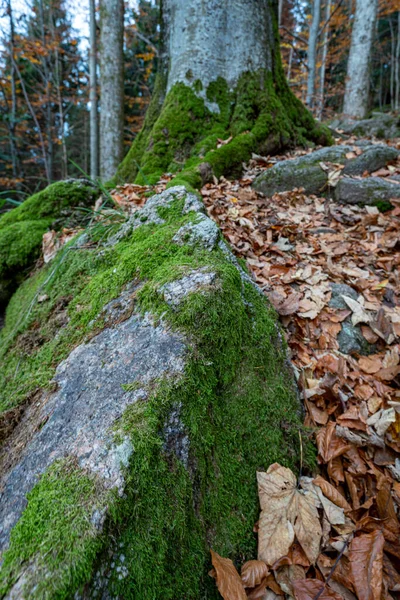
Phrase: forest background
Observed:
(45, 84)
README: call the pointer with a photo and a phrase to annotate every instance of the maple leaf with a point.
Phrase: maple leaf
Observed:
(285, 512)
(227, 578)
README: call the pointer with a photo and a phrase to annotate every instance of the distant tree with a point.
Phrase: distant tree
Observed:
(94, 120)
(312, 53)
(356, 96)
(141, 51)
(111, 86)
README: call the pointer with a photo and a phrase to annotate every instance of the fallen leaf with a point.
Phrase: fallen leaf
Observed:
(382, 420)
(366, 562)
(285, 512)
(227, 578)
(331, 493)
(359, 314)
(253, 572)
(308, 589)
(370, 364)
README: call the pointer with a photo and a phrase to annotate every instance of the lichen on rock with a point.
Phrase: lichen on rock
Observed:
(143, 421)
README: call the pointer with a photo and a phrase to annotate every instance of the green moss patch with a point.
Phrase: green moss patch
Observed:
(56, 533)
(22, 228)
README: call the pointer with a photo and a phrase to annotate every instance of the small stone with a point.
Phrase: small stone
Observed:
(338, 291)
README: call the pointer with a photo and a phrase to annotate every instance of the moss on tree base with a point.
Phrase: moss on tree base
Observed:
(181, 134)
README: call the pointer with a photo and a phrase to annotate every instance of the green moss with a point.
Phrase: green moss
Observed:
(383, 205)
(58, 519)
(22, 229)
(261, 115)
(235, 401)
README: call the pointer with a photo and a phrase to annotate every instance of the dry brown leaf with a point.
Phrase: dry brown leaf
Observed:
(253, 572)
(366, 562)
(370, 364)
(227, 578)
(359, 313)
(285, 512)
(332, 493)
(307, 589)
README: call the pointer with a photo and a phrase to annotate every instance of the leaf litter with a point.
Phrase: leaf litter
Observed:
(337, 535)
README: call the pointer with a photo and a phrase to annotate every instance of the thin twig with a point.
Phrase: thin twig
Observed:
(331, 572)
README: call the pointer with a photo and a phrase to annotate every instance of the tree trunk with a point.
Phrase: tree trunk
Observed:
(357, 84)
(111, 86)
(392, 61)
(397, 65)
(94, 122)
(312, 53)
(13, 114)
(323, 61)
(220, 76)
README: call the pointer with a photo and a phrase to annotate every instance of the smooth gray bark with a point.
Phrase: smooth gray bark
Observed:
(397, 65)
(312, 53)
(111, 86)
(324, 56)
(357, 83)
(216, 38)
(94, 121)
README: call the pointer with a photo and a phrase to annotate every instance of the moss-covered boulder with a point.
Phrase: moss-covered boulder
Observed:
(379, 125)
(374, 191)
(373, 157)
(22, 228)
(303, 172)
(311, 172)
(135, 430)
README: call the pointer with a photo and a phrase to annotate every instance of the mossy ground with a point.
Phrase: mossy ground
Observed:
(22, 228)
(237, 405)
(261, 114)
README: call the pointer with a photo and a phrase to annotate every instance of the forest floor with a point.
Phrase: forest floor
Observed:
(296, 247)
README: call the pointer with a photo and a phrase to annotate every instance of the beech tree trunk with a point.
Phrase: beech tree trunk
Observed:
(312, 53)
(323, 60)
(111, 86)
(220, 76)
(94, 121)
(357, 83)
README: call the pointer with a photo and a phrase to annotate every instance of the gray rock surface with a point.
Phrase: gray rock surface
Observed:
(90, 398)
(379, 125)
(374, 157)
(304, 172)
(204, 232)
(338, 291)
(366, 191)
(350, 339)
(196, 281)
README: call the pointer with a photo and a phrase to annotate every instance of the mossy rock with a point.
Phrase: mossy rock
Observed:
(372, 191)
(302, 172)
(155, 404)
(22, 228)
